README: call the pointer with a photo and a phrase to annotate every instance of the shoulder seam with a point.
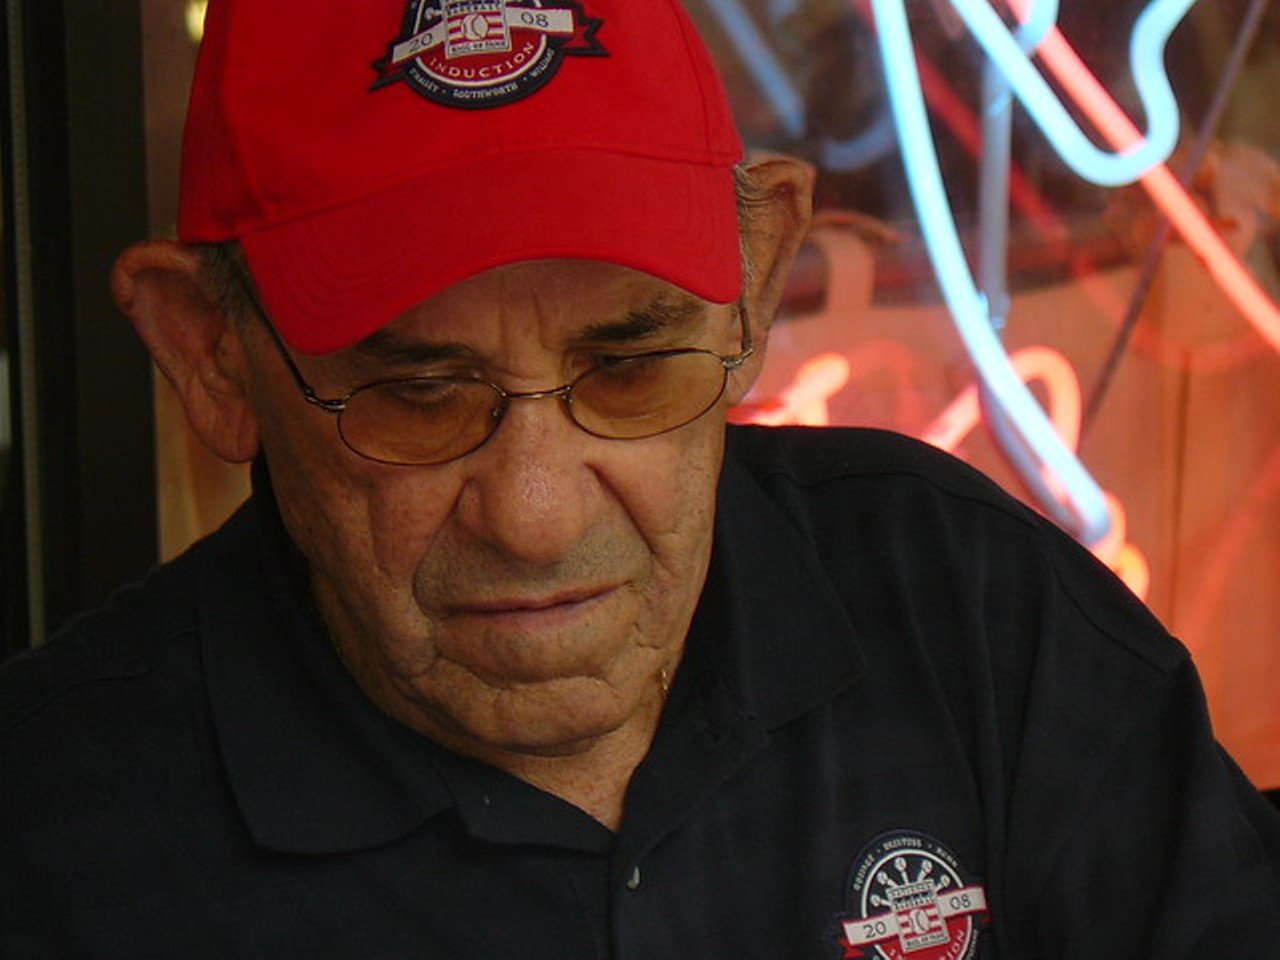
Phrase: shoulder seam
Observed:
(24, 709)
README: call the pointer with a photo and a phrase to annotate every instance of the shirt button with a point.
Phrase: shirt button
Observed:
(633, 881)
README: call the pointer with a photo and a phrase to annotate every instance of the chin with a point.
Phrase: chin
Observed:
(553, 719)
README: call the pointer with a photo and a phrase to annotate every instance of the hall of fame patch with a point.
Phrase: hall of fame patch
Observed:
(909, 898)
(484, 53)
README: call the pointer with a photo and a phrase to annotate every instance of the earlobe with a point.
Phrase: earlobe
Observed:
(157, 285)
(774, 228)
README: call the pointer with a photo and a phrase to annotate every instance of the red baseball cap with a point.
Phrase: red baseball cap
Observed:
(367, 155)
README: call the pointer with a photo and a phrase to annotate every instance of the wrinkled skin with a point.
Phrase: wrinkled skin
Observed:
(522, 599)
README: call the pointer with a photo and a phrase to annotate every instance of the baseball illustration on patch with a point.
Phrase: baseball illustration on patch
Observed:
(484, 53)
(910, 898)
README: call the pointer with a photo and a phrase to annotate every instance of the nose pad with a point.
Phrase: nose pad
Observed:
(498, 412)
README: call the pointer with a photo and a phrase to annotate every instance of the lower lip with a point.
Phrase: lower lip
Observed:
(538, 618)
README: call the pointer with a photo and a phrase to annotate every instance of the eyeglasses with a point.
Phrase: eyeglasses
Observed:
(417, 421)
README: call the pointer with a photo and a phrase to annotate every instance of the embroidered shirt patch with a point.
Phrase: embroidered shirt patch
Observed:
(909, 898)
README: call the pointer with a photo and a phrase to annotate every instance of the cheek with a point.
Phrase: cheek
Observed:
(362, 526)
(669, 494)
(390, 524)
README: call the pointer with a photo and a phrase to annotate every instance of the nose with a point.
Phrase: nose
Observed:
(532, 490)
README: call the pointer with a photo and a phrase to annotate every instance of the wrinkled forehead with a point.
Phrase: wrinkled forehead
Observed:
(555, 303)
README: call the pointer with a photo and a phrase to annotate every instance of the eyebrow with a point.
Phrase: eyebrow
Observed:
(384, 347)
(663, 312)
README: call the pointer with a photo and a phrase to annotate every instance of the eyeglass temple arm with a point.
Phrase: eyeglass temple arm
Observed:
(748, 345)
(335, 405)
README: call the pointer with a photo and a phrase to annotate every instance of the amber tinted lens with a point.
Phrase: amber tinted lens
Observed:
(649, 394)
(428, 420)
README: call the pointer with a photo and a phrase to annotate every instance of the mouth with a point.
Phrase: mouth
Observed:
(535, 638)
(566, 600)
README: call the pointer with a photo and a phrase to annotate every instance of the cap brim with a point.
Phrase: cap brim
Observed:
(333, 277)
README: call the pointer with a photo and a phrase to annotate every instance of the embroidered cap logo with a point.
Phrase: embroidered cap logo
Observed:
(484, 53)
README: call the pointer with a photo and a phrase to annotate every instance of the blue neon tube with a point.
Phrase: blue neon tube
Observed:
(1033, 442)
(1146, 58)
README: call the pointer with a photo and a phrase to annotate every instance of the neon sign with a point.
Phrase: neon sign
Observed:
(1224, 266)
(1027, 436)
(1060, 482)
(1043, 457)
(1146, 55)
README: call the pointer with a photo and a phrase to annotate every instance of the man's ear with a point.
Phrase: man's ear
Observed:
(157, 285)
(775, 223)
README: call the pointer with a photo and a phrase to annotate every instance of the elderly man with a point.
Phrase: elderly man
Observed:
(516, 651)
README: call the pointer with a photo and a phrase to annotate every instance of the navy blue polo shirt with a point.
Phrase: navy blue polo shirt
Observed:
(914, 721)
